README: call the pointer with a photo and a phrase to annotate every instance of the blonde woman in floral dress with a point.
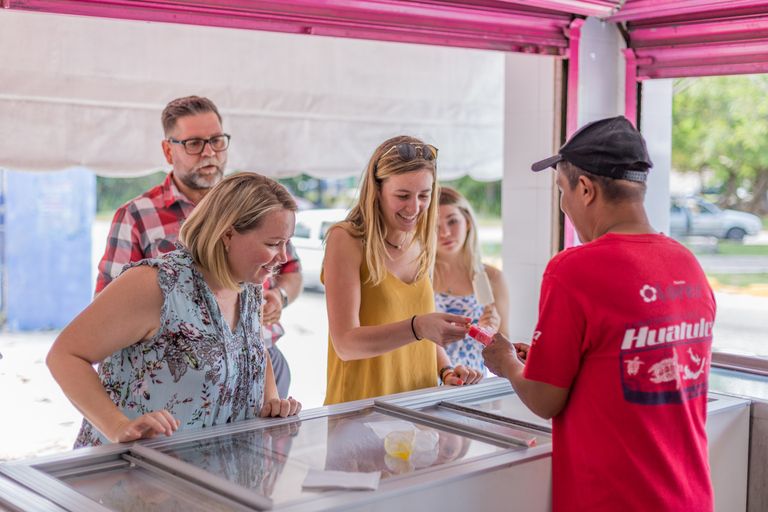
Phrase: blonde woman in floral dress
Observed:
(178, 338)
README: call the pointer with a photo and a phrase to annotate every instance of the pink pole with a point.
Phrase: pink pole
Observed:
(573, 32)
(630, 87)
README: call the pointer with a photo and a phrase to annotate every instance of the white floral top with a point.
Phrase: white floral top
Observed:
(467, 352)
(194, 366)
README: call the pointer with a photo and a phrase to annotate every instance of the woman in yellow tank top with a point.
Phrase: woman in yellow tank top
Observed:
(384, 334)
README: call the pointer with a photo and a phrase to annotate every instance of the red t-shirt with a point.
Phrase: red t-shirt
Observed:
(625, 322)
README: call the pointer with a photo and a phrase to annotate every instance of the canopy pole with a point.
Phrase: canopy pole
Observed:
(573, 33)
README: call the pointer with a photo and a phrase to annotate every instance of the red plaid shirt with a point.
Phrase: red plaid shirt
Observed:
(148, 226)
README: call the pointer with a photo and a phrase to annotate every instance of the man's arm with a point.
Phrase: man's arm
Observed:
(291, 283)
(120, 249)
(544, 400)
(288, 280)
(289, 277)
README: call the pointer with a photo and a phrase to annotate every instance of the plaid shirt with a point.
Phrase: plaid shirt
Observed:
(148, 226)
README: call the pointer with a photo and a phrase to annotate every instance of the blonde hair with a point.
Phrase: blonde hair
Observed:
(365, 221)
(240, 201)
(470, 252)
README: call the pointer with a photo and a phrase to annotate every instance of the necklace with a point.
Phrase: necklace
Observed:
(396, 246)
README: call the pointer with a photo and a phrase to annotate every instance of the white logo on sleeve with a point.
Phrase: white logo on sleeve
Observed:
(648, 293)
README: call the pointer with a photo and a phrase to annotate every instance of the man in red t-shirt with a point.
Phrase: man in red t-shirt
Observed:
(621, 353)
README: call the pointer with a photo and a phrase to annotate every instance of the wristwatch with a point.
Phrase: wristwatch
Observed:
(284, 295)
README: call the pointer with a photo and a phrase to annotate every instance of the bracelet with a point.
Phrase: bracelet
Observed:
(442, 371)
(414, 330)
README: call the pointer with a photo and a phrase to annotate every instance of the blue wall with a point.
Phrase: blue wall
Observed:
(48, 223)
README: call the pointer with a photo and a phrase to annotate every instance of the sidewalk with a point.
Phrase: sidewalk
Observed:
(38, 418)
(731, 264)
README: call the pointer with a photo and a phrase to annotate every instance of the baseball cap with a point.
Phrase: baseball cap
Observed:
(607, 148)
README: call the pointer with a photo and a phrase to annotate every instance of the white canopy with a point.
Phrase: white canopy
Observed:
(89, 92)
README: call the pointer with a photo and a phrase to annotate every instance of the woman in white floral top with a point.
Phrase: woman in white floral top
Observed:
(456, 263)
(178, 338)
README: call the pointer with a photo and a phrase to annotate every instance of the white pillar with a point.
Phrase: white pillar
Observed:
(656, 127)
(601, 71)
(531, 106)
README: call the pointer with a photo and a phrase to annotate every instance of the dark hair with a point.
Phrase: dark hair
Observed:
(188, 106)
(614, 190)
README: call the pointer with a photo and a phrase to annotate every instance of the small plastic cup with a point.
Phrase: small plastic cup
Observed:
(399, 444)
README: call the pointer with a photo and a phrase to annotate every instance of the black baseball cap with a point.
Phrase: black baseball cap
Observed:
(608, 147)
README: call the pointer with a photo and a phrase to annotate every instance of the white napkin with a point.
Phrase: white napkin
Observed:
(382, 428)
(318, 480)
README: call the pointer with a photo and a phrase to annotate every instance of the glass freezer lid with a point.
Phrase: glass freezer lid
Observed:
(523, 435)
(274, 461)
(507, 406)
(135, 489)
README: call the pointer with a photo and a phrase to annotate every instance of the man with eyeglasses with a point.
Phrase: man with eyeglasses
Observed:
(147, 226)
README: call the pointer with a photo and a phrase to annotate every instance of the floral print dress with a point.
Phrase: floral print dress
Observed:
(195, 367)
(467, 352)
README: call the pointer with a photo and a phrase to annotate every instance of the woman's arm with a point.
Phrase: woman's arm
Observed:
(273, 404)
(458, 376)
(126, 312)
(341, 275)
(443, 359)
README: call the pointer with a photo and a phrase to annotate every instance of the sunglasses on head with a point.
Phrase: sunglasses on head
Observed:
(407, 151)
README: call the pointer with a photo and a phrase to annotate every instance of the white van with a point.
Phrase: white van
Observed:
(311, 226)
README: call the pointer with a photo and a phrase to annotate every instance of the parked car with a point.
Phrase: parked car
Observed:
(695, 216)
(311, 226)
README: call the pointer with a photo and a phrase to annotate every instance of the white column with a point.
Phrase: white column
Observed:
(601, 71)
(656, 127)
(528, 203)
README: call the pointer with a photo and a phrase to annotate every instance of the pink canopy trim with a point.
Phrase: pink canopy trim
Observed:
(670, 38)
(732, 39)
(496, 26)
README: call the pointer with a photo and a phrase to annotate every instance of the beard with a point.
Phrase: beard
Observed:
(194, 179)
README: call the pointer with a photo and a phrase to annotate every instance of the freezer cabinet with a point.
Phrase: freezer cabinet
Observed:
(458, 448)
(483, 449)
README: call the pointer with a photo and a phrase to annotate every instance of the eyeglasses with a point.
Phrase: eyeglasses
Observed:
(196, 146)
(407, 151)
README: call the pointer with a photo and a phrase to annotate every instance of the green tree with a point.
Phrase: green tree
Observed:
(485, 197)
(112, 193)
(720, 129)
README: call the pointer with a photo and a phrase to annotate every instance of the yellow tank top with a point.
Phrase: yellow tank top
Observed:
(413, 366)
